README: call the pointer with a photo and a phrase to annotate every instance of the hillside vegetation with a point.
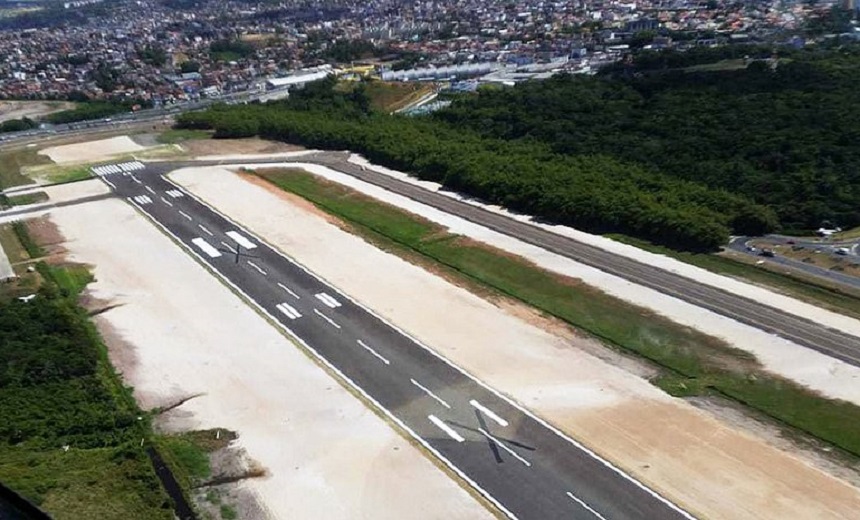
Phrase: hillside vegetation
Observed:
(783, 131)
(598, 193)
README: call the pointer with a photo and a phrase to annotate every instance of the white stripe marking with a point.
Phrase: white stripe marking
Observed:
(431, 394)
(257, 267)
(109, 183)
(375, 353)
(242, 241)
(166, 202)
(186, 215)
(284, 287)
(205, 230)
(489, 413)
(206, 247)
(328, 300)
(135, 179)
(290, 311)
(150, 190)
(445, 428)
(326, 318)
(586, 506)
(498, 443)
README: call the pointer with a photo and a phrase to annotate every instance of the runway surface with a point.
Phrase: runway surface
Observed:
(803, 331)
(521, 464)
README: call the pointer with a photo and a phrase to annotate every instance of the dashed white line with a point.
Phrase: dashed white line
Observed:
(498, 443)
(135, 179)
(431, 394)
(205, 230)
(328, 300)
(257, 267)
(586, 506)
(290, 291)
(289, 310)
(206, 247)
(489, 413)
(186, 215)
(150, 190)
(166, 202)
(109, 183)
(375, 353)
(445, 428)
(326, 318)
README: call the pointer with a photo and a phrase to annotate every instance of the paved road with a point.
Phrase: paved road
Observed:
(521, 464)
(802, 331)
(739, 244)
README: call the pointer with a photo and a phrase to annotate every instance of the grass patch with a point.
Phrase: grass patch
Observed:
(71, 279)
(695, 363)
(174, 136)
(228, 512)
(30, 198)
(30, 246)
(12, 162)
(27, 282)
(388, 97)
(831, 298)
(187, 453)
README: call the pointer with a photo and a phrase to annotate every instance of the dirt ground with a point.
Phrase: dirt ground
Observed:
(174, 331)
(91, 151)
(710, 468)
(31, 109)
(227, 147)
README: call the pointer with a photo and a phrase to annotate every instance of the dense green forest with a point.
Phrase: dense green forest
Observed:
(90, 110)
(783, 132)
(593, 192)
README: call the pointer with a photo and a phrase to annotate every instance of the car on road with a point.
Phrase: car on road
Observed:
(841, 251)
(767, 253)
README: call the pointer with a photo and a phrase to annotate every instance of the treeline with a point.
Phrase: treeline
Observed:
(17, 125)
(592, 192)
(782, 132)
(90, 110)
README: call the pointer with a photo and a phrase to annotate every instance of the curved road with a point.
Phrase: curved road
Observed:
(802, 331)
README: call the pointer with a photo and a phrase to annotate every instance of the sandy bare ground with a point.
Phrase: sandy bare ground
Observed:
(32, 109)
(178, 332)
(705, 466)
(58, 193)
(209, 148)
(91, 151)
(830, 377)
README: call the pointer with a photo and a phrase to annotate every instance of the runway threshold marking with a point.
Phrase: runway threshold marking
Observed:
(375, 353)
(205, 230)
(500, 444)
(586, 506)
(257, 267)
(328, 300)
(445, 428)
(241, 240)
(431, 394)
(489, 413)
(186, 215)
(206, 247)
(326, 318)
(290, 291)
(289, 310)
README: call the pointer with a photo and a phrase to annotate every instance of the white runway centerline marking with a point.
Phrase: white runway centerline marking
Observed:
(206, 247)
(489, 413)
(498, 443)
(166, 202)
(328, 300)
(586, 506)
(326, 318)
(431, 394)
(205, 230)
(375, 353)
(241, 240)
(290, 291)
(445, 428)
(289, 310)
(135, 179)
(186, 215)
(257, 267)
(150, 190)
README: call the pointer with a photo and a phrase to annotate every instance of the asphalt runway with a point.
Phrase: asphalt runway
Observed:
(800, 330)
(521, 464)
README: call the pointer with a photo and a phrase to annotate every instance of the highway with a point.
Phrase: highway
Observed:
(803, 331)
(519, 463)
